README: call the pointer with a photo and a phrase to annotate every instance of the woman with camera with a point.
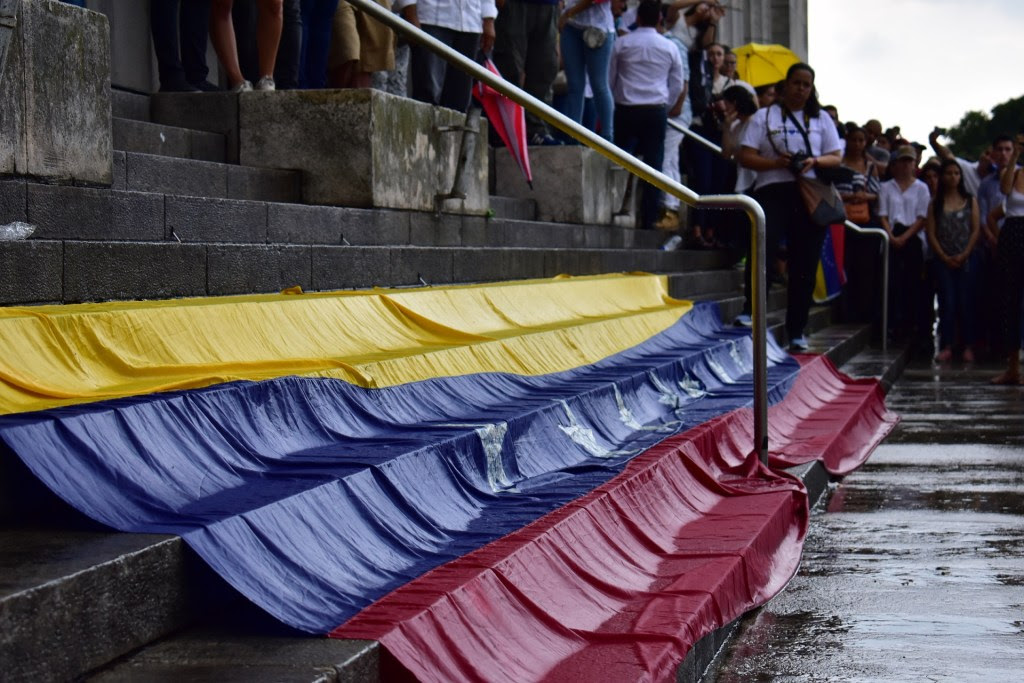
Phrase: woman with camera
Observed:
(791, 138)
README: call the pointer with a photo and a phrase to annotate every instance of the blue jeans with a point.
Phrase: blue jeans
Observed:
(581, 61)
(317, 22)
(957, 301)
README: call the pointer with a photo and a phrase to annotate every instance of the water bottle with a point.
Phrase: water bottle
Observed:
(672, 243)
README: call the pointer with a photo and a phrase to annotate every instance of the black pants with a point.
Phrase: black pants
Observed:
(180, 55)
(706, 172)
(641, 131)
(906, 289)
(1010, 271)
(786, 216)
(863, 291)
(433, 80)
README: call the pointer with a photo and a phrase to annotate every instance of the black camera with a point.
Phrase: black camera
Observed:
(796, 162)
(939, 131)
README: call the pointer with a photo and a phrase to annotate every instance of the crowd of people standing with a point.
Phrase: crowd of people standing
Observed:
(639, 76)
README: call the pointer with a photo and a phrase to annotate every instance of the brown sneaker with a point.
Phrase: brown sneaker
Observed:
(669, 220)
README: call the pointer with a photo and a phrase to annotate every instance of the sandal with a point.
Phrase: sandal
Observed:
(1006, 379)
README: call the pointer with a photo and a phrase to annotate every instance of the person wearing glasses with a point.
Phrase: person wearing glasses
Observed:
(790, 138)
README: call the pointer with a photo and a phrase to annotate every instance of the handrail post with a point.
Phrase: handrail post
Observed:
(637, 168)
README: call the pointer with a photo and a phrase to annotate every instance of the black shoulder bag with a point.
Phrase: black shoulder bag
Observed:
(824, 205)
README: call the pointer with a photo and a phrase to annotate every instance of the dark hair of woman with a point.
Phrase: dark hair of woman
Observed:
(939, 202)
(813, 106)
(741, 98)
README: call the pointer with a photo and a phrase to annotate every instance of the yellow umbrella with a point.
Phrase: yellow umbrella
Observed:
(760, 64)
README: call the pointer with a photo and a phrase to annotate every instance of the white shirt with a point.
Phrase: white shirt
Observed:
(722, 83)
(686, 34)
(770, 126)
(465, 16)
(598, 15)
(685, 117)
(969, 172)
(745, 177)
(645, 69)
(904, 206)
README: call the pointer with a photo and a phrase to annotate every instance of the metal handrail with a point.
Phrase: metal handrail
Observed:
(696, 136)
(653, 176)
(850, 224)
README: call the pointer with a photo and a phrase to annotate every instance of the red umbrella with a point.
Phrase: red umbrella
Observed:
(508, 120)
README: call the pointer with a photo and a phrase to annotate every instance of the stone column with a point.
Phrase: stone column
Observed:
(55, 92)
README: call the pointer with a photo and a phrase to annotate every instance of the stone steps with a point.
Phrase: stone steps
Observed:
(514, 208)
(125, 104)
(94, 243)
(153, 173)
(70, 271)
(230, 204)
(169, 141)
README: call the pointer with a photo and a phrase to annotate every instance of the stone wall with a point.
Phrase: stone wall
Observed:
(362, 148)
(54, 92)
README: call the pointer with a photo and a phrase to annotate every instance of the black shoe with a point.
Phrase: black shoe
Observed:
(178, 86)
(543, 140)
(206, 86)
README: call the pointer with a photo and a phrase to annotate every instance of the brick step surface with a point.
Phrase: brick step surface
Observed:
(137, 172)
(695, 285)
(513, 207)
(72, 600)
(74, 597)
(126, 214)
(125, 104)
(131, 135)
(71, 271)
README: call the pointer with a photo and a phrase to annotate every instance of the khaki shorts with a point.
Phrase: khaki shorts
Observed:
(356, 36)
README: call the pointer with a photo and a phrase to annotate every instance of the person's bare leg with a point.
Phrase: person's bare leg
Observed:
(344, 76)
(268, 34)
(222, 35)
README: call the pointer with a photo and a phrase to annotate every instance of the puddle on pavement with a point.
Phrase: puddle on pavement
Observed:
(855, 499)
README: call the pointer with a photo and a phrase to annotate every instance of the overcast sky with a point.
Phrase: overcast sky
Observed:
(916, 63)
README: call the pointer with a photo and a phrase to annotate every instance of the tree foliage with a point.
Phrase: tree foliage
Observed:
(976, 129)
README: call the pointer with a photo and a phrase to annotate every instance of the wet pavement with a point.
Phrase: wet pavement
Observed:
(914, 568)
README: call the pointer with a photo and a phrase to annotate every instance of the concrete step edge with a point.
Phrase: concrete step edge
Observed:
(185, 177)
(132, 135)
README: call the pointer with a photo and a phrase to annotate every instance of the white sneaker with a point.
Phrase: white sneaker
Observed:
(266, 84)
(244, 86)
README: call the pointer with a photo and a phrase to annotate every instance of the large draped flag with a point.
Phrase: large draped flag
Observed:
(529, 480)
